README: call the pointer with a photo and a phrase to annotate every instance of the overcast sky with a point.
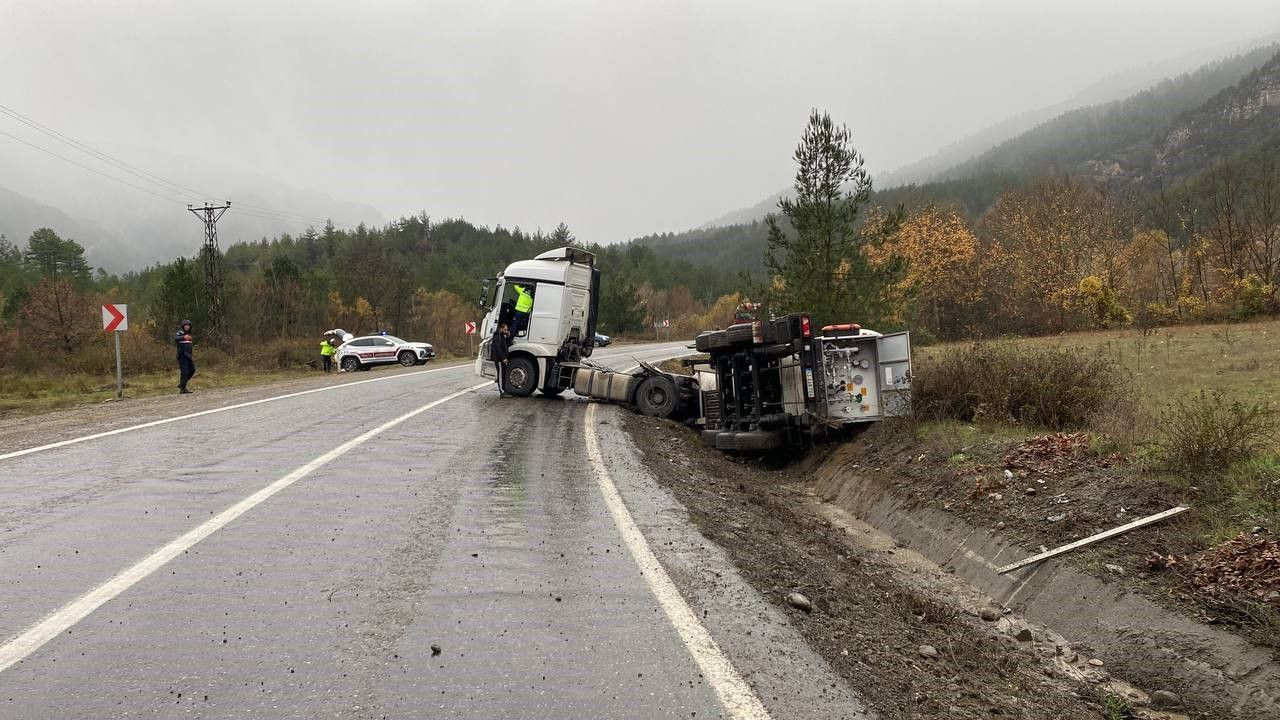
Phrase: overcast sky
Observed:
(620, 118)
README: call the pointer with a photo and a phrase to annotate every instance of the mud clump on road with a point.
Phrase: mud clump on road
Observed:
(869, 626)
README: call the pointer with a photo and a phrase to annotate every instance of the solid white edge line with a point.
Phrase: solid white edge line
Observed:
(735, 694)
(73, 612)
(212, 411)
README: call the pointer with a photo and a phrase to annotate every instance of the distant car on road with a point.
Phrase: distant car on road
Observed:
(602, 339)
(361, 353)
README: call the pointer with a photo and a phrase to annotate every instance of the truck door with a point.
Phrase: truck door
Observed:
(893, 366)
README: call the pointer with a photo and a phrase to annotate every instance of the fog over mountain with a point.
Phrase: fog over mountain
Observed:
(619, 118)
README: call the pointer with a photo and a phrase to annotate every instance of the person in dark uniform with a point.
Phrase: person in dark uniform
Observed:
(186, 364)
(498, 348)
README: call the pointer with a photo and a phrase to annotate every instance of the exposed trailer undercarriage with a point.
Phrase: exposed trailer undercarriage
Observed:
(768, 385)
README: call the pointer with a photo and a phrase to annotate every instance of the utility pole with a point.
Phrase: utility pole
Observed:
(209, 215)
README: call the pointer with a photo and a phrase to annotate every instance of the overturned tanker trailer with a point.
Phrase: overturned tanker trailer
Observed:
(766, 385)
(769, 385)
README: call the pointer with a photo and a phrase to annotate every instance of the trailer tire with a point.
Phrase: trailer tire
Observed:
(725, 441)
(703, 342)
(717, 340)
(657, 396)
(552, 392)
(740, 334)
(709, 437)
(522, 377)
(757, 441)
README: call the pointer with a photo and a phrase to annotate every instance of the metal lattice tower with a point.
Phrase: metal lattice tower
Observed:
(209, 215)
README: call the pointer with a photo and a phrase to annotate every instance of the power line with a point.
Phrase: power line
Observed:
(122, 165)
(301, 216)
(167, 185)
(92, 170)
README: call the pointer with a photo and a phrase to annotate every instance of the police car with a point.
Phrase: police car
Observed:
(361, 353)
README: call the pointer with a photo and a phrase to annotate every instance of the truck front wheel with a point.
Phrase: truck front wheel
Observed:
(522, 377)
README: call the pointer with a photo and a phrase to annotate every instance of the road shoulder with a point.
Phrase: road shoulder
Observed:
(791, 680)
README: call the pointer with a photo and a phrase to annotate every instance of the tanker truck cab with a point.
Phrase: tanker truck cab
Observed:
(560, 327)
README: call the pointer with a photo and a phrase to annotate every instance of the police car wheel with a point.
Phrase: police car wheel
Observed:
(522, 377)
(408, 359)
(350, 364)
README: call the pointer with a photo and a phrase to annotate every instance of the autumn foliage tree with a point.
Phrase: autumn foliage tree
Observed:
(940, 279)
(57, 316)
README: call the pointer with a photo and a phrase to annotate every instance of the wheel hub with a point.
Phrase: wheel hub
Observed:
(517, 377)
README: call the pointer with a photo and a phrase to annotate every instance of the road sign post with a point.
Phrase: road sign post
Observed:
(119, 368)
(115, 320)
(471, 336)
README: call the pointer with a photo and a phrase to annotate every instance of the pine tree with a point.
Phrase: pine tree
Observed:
(817, 265)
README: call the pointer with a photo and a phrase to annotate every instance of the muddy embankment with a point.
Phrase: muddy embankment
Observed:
(1212, 669)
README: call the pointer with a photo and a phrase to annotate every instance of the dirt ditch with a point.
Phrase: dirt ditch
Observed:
(899, 599)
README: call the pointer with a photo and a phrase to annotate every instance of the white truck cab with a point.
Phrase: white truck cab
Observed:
(560, 328)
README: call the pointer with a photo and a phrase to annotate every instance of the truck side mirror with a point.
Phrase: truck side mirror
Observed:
(484, 295)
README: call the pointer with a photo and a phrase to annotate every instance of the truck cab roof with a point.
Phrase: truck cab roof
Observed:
(550, 265)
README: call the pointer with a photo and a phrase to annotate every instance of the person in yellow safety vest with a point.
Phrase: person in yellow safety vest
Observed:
(524, 305)
(326, 354)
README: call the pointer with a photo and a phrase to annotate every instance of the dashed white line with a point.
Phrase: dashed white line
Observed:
(73, 612)
(735, 694)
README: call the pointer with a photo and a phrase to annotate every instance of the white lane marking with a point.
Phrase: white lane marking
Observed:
(165, 421)
(734, 692)
(73, 612)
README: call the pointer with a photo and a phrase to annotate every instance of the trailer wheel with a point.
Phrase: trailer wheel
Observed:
(657, 396)
(740, 334)
(709, 437)
(757, 441)
(522, 377)
(725, 441)
(703, 342)
(717, 340)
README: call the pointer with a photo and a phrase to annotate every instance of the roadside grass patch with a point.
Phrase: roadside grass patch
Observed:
(1005, 382)
(1207, 432)
(29, 394)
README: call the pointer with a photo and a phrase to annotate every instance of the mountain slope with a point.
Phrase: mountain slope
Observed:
(125, 228)
(1117, 87)
(1050, 139)
(20, 216)
(1117, 138)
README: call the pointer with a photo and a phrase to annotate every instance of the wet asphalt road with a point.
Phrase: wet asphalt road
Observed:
(474, 527)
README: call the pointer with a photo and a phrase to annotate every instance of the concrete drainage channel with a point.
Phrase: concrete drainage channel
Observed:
(1065, 608)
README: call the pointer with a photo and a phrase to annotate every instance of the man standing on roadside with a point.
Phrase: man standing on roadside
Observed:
(186, 364)
(498, 347)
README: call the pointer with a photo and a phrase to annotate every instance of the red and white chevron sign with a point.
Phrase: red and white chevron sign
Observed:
(471, 327)
(115, 317)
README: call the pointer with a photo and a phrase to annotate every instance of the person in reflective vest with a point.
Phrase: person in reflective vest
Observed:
(524, 305)
(326, 354)
(186, 363)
